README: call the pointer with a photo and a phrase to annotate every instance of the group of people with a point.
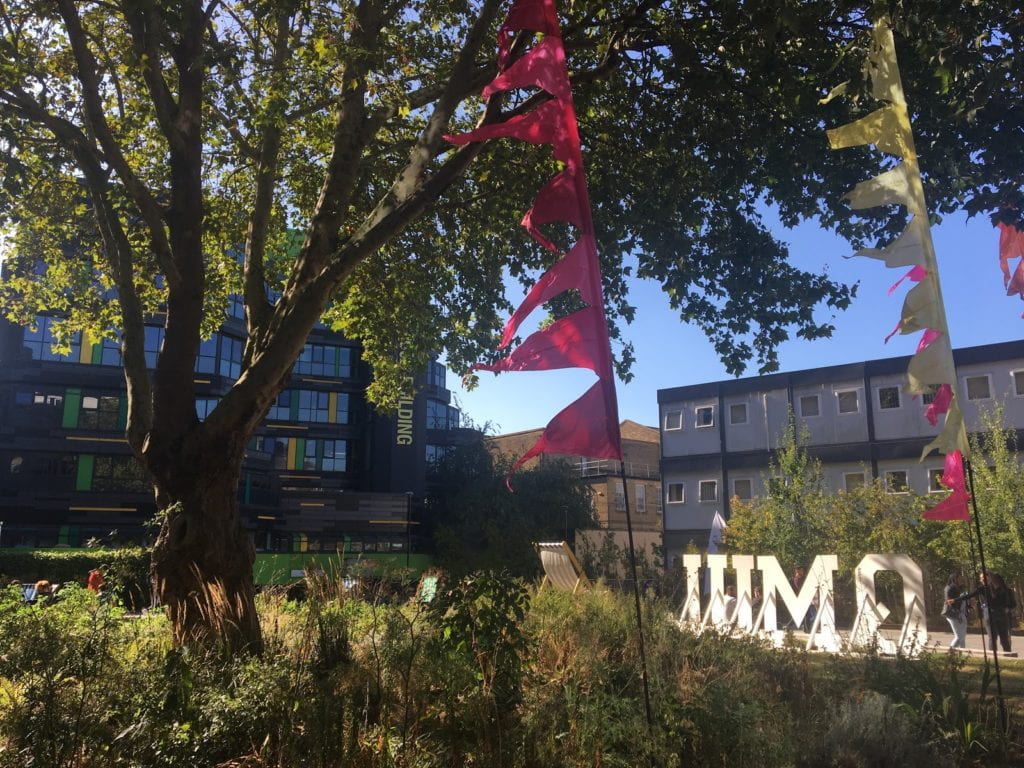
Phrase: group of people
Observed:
(45, 591)
(997, 603)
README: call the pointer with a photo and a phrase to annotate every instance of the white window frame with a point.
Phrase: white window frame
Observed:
(1013, 381)
(800, 402)
(847, 475)
(856, 391)
(700, 492)
(967, 394)
(668, 493)
(749, 480)
(674, 429)
(899, 397)
(641, 498)
(696, 419)
(746, 414)
(888, 489)
(931, 473)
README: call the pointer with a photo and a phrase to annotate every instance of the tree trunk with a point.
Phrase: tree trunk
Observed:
(202, 560)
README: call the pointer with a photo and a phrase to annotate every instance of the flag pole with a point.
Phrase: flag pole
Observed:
(974, 567)
(988, 600)
(636, 598)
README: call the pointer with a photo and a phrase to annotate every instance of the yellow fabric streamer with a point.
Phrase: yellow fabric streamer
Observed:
(888, 128)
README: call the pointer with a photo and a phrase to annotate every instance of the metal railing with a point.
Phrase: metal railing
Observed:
(598, 467)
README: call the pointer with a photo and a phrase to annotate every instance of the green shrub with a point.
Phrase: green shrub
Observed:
(125, 570)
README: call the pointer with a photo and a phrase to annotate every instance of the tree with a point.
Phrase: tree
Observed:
(159, 156)
(478, 525)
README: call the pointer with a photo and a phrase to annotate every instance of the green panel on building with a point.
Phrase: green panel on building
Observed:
(72, 405)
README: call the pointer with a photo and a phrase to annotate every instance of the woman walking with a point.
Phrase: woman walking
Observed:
(955, 610)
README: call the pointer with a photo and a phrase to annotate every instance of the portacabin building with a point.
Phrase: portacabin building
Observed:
(718, 438)
(324, 473)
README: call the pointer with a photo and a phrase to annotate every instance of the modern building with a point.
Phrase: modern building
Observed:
(718, 438)
(604, 478)
(324, 473)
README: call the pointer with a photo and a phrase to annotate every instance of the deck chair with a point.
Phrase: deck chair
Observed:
(561, 568)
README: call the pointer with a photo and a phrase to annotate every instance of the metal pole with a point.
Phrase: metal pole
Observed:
(636, 600)
(408, 525)
(988, 598)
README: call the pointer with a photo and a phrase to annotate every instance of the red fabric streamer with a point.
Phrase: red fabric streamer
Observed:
(954, 506)
(915, 275)
(572, 271)
(1011, 246)
(590, 425)
(571, 342)
(940, 404)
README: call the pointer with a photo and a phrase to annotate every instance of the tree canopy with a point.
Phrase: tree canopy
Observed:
(691, 114)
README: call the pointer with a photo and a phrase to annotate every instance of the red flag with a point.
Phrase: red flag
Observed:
(590, 425)
(1011, 246)
(954, 506)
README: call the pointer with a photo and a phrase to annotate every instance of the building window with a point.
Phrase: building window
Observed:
(335, 456)
(1018, 383)
(738, 413)
(810, 405)
(978, 388)
(99, 412)
(673, 420)
(927, 398)
(888, 398)
(231, 357)
(119, 473)
(437, 415)
(708, 490)
(848, 401)
(853, 480)
(742, 488)
(435, 453)
(436, 374)
(154, 344)
(110, 352)
(935, 481)
(28, 397)
(206, 360)
(705, 416)
(896, 481)
(281, 410)
(676, 493)
(325, 360)
(620, 496)
(314, 406)
(205, 406)
(641, 498)
(41, 340)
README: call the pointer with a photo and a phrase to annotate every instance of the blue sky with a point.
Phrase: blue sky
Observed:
(670, 353)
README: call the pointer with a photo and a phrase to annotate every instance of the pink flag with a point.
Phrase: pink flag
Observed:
(590, 425)
(954, 506)
(1011, 246)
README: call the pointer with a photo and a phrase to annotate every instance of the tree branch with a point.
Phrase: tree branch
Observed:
(97, 123)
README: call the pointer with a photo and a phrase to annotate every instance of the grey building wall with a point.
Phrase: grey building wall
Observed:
(858, 419)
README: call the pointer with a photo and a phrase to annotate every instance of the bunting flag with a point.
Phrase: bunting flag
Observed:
(931, 370)
(1011, 246)
(590, 425)
(954, 506)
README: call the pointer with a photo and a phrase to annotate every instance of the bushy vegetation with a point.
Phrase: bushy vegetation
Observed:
(490, 674)
(125, 569)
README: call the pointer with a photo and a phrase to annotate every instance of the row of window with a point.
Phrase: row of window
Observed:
(847, 402)
(220, 354)
(895, 481)
(641, 498)
(315, 407)
(107, 473)
(299, 453)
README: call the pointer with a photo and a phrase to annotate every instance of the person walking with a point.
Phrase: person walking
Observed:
(954, 608)
(1001, 604)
